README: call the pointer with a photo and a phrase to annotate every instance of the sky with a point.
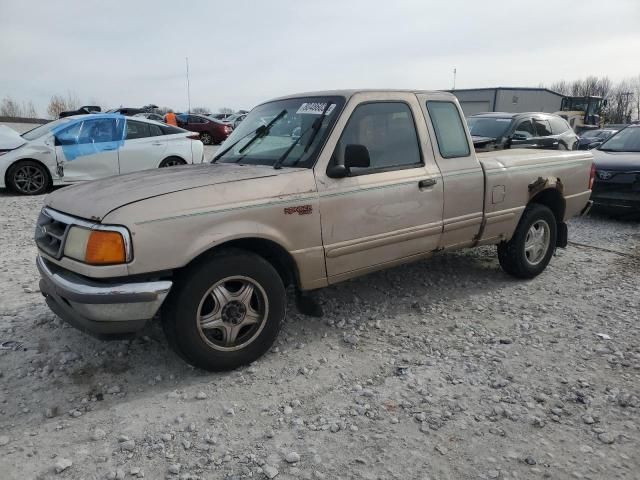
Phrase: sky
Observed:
(243, 52)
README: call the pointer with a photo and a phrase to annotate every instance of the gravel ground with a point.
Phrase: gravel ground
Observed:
(444, 369)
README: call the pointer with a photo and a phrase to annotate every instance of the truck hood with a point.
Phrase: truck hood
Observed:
(94, 200)
(9, 138)
(619, 161)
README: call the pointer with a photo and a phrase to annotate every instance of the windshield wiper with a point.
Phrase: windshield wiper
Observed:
(317, 123)
(259, 132)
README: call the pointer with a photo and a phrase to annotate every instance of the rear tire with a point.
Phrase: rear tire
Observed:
(28, 177)
(172, 162)
(530, 249)
(206, 138)
(225, 311)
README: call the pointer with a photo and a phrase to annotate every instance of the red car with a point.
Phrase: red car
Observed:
(212, 132)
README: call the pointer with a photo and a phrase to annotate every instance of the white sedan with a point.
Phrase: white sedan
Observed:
(88, 147)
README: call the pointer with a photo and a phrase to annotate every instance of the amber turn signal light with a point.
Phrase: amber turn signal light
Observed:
(105, 248)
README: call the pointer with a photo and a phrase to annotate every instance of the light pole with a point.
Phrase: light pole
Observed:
(188, 88)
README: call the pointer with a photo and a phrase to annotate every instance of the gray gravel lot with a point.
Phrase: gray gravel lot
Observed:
(443, 369)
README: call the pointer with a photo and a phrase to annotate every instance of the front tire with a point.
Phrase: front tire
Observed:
(28, 177)
(225, 311)
(530, 249)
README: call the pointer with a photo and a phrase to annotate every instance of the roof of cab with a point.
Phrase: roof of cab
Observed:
(347, 93)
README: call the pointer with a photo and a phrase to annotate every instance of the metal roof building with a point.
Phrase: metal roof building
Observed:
(508, 99)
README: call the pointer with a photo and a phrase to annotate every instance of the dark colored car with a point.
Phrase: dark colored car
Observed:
(589, 139)
(131, 111)
(491, 131)
(617, 163)
(212, 132)
(84, 110)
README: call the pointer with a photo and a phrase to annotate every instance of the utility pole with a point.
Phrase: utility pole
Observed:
(188, 89)
(454, 78)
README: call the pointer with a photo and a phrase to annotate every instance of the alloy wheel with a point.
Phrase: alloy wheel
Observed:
(536, 243)
(29, 179)
(232, 313)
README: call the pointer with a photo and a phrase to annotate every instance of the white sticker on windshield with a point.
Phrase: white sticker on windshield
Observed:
(315, 108)
(503, 119)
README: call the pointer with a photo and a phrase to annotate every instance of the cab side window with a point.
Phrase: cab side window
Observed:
(388, 131)
(450, 133)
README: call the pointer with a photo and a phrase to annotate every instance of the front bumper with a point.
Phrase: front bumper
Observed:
(100, 308)
(615, 199)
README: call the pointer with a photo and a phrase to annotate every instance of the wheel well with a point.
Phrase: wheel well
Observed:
(275, 254)
(46, 169)
(552, 199)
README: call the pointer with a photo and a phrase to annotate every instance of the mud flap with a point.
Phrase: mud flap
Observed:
(563, 235)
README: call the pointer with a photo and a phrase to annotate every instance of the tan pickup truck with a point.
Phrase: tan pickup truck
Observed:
(309, 190)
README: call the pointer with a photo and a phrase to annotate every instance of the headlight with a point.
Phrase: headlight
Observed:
(97, 247)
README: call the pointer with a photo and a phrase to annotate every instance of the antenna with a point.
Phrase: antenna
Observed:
(188, 88)
(454, 78)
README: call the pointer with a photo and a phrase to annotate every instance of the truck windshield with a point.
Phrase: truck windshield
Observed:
(627, 140)
(488, 126)
(282, 127)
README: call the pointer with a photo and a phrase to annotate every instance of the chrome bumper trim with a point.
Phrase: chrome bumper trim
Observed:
(100, 302)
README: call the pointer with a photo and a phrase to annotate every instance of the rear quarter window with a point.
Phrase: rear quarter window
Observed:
(450, 133)
(558, 125)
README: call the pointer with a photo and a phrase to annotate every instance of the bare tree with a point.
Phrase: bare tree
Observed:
(225, 110)
(29, 110)
(635, 88)
(620, 103)
(59, 104)
(200, 110)
(561, 87)
(10, 108)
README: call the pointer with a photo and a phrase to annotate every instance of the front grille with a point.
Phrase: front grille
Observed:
(50, 234)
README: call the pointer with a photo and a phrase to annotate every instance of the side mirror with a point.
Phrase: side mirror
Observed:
(519, 136)
(594, 145)
(356, 156)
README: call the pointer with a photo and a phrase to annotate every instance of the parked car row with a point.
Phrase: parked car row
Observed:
(212, 131)
(88, 147)
(499, 130)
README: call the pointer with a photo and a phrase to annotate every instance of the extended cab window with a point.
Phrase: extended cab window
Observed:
(137, 130)
(450, 133)
(387, 130)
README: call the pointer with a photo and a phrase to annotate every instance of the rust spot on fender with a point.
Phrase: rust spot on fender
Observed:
(544, 183)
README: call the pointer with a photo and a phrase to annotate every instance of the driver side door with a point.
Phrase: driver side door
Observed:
(88, 149)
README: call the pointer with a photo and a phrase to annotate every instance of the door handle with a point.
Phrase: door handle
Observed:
(427, 182)
(109, 148)
(156, 143)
